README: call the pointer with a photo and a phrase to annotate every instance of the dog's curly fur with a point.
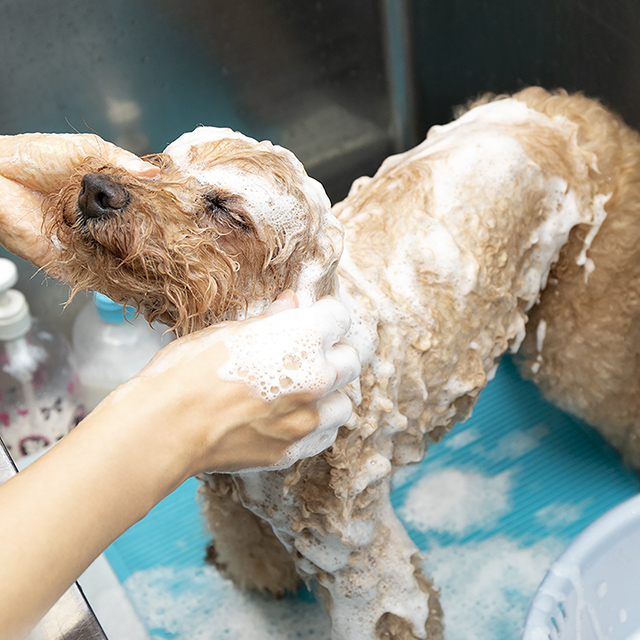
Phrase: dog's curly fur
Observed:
(436, 301)
(588, 362)
(207, 264)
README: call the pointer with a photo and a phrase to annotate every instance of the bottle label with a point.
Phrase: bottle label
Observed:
(24, 430)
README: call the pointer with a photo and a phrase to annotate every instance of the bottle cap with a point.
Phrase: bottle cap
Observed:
(111, 311)
(15, 319)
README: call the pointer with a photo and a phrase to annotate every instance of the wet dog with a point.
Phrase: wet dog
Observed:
(522, 209)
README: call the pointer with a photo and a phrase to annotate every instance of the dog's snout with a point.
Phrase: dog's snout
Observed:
(101, 195)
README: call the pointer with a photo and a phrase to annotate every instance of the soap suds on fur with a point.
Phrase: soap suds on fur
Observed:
(270, 208)
(598, 218)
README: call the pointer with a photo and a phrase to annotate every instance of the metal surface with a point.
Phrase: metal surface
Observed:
(313, 76)
(464, 48)
(7, 467)
(71, 618)
(399, 40)
(328, 79)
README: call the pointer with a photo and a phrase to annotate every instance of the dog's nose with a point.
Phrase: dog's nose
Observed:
(101, 196)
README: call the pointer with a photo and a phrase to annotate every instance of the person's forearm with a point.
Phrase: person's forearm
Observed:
(180, 416)
(60, 513)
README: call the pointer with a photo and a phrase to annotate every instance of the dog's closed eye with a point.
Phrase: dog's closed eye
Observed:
(227, 211)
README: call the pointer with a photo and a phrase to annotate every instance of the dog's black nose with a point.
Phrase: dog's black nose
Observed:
(101, 196)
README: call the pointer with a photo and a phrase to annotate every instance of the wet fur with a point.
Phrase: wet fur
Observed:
(191, 270)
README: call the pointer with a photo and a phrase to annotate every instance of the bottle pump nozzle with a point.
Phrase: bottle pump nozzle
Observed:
(15, 319)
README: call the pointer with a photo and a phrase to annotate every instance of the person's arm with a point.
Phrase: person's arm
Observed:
(177, 418)
(186, 413)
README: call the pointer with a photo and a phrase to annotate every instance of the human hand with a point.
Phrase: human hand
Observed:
(35, 165)
(259, 393)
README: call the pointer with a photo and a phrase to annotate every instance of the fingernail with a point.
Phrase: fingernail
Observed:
(286, 300)
(141, 168)
(288, 295)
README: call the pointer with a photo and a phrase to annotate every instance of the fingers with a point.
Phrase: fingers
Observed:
(297, 351)
(132, 163)
(346, 362)
(334, 410)
(333, 322)
(286, 300)
(42, 161)
(330, 317)
(20, 221)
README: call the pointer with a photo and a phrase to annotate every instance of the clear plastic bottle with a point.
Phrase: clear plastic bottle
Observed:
(40, 399)
(111, 346)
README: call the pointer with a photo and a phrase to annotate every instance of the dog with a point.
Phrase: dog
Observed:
(523, 208)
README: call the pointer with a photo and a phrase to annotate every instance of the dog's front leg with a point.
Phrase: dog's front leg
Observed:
(244, 547)
(368, 569)
(371, 574)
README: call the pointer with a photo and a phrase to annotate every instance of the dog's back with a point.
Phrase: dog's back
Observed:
(447, 249)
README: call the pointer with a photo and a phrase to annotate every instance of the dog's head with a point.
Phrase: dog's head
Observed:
(227, 225)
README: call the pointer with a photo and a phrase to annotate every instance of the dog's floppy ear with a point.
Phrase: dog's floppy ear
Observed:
(161, 160)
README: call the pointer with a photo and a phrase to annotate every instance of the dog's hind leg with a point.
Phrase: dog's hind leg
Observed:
(244, 547)
(583, 338)
(583, 350)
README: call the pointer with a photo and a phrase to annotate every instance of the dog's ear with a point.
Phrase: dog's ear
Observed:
(160, 160)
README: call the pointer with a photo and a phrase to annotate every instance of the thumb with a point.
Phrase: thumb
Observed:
(286, 300)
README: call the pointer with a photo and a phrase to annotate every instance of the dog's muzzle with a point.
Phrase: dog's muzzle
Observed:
(101, 196)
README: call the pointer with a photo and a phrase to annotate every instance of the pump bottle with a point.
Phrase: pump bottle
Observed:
(40, 399)
(111, 344)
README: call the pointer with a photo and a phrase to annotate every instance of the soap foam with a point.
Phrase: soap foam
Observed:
(197, 603)
(180, 148)
(455, 501)
(269, 207)
(272, 208)
(298, 351)
(486, 586)
(286, 353)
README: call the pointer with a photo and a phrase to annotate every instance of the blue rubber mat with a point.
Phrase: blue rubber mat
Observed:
(491, 507)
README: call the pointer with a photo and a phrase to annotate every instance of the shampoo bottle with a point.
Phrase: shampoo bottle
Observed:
(40, 398)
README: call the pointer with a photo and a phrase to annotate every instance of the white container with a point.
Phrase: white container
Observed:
(592, 592)
(40, 399)
(111, 346)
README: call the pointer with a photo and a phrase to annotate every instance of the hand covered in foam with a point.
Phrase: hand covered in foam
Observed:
(260, 393)
(34, 165)
(298, 355)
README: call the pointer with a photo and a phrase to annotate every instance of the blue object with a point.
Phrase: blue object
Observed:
(111, 311)
(529, 479)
